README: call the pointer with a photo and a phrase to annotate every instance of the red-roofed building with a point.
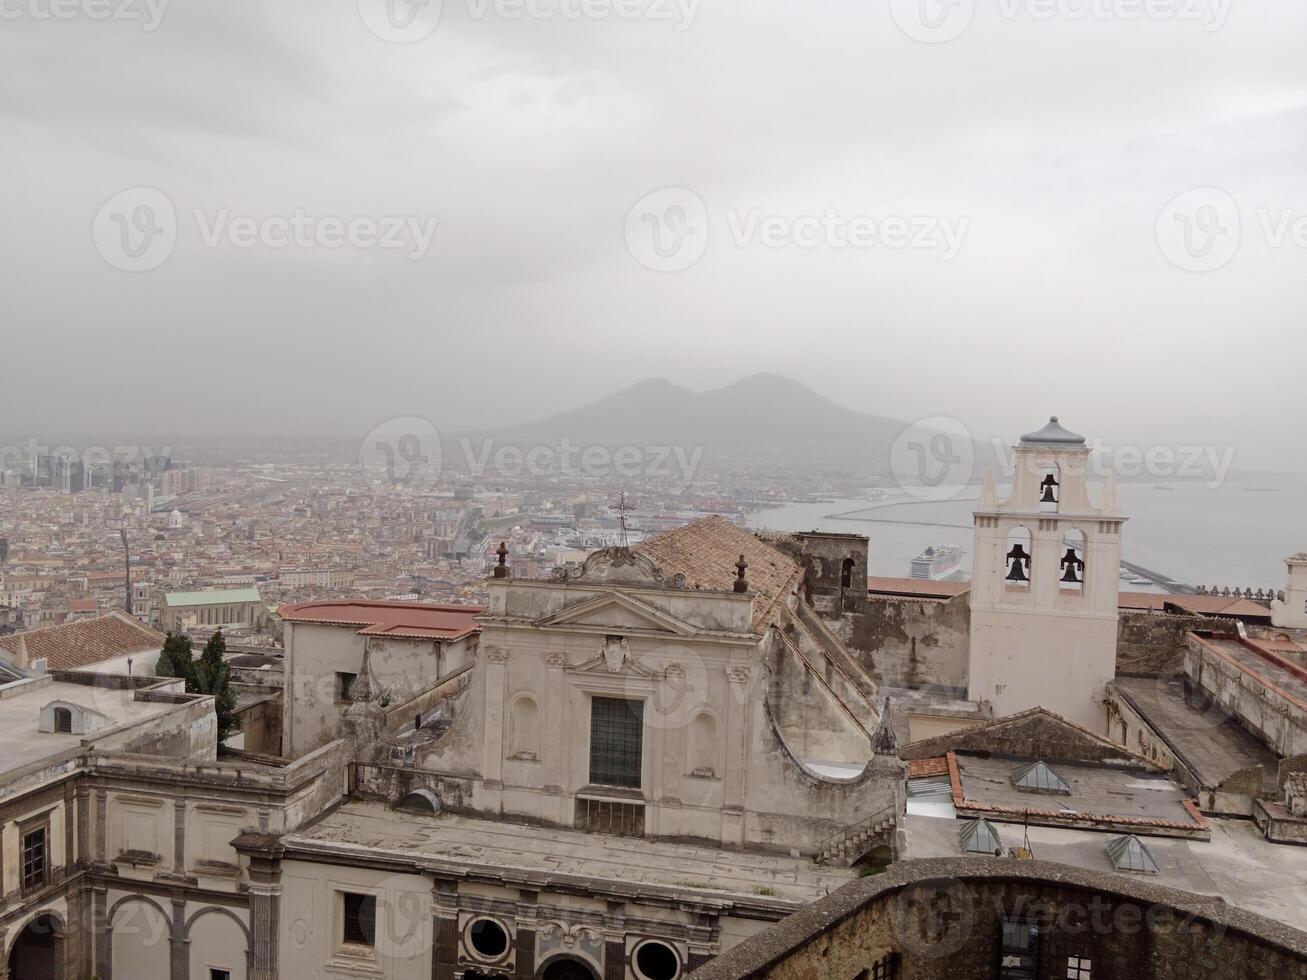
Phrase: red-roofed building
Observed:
(412, 647)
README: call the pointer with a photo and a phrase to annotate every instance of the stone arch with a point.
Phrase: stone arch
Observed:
(207, 950)
(524, 728)
(149, 956)
(217, 910)
(554, 967)
(144, 900)
(57, 956)
(61, 927)
(846, 573)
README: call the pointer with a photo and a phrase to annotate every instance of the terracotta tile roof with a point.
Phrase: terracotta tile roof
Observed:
(1152, 601)
(411, 620)
(1218, 605)
(921, 768)
(706, 550)
(917, 587)
(82, 605)
(80, 644)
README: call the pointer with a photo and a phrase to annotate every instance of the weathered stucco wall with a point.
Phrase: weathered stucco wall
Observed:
(1153, 643)
(910, 642)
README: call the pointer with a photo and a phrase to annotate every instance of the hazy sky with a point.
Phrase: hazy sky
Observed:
(1048, 139)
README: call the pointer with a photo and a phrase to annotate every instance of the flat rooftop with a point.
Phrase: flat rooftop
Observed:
(458, 840)
(22, 744)
(1096, 791)
(1237, 864)
(1197, 729)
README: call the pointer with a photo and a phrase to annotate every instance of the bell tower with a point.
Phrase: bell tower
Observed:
(1044, 590)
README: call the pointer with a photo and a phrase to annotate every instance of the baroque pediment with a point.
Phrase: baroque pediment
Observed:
(614, 658)
(620, 566)
(616, 612)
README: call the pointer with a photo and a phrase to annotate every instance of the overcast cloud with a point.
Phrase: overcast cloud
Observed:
(1033, 157)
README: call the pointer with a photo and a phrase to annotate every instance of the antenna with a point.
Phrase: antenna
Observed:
(623, 508)
(127, 565)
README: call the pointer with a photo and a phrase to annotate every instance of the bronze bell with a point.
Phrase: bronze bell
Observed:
(1018, 560)
(1049, 495)
(1071, 565)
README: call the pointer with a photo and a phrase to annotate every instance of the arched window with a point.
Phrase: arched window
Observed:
(846, 574)
(1018, 559)
(524, 730)
(1072, 565)
(702, 750)
(1050, 489)
(63, 720)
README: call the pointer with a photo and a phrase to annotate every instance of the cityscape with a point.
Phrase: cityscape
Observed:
(653, 490)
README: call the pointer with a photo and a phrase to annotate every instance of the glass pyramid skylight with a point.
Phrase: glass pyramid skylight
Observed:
(1129, 854)
(980, 837)
(1038, 778)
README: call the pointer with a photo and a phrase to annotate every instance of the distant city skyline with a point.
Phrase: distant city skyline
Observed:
(911, 226)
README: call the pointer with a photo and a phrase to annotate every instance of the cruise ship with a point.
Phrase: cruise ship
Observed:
(937, 563)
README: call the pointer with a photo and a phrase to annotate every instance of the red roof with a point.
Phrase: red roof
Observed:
(413, 620)
(917, 587)
(85, 642)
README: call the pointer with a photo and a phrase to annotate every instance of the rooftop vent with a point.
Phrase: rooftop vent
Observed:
(980, 837)
(1129, 854)
(1039, 778)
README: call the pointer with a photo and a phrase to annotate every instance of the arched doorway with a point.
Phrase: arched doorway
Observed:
(37, 953)
(567, 968)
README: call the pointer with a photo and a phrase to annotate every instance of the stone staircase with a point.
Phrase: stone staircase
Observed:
(846, 846)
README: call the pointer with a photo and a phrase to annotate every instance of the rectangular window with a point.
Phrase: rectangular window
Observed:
(616, 742)
(343, 683)
(360, 920)
(220, 975)
(1019, 957)
(1079, 968)
(34, 860)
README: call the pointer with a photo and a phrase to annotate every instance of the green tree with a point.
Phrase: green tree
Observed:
(212, 676)
(207, 675)
(176, 659)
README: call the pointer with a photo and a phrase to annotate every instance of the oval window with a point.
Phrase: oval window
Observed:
(488, 938)
(657, 961)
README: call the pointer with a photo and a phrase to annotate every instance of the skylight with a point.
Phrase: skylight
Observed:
(980, 837)
(1129, 854)
(1039, 778)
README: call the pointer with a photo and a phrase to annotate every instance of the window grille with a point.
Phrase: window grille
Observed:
(360, 920)
(616, 742)
(34, 860)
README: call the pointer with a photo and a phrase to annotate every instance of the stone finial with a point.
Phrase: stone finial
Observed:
(989, 492)
(21, 659)
(883, 739)
(741, 583)
(365, 688)
(501, 570)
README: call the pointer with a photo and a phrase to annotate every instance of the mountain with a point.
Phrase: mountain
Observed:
(763, 418)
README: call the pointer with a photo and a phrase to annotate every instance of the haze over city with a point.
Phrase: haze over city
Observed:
(653, 489)
(1057, 141)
